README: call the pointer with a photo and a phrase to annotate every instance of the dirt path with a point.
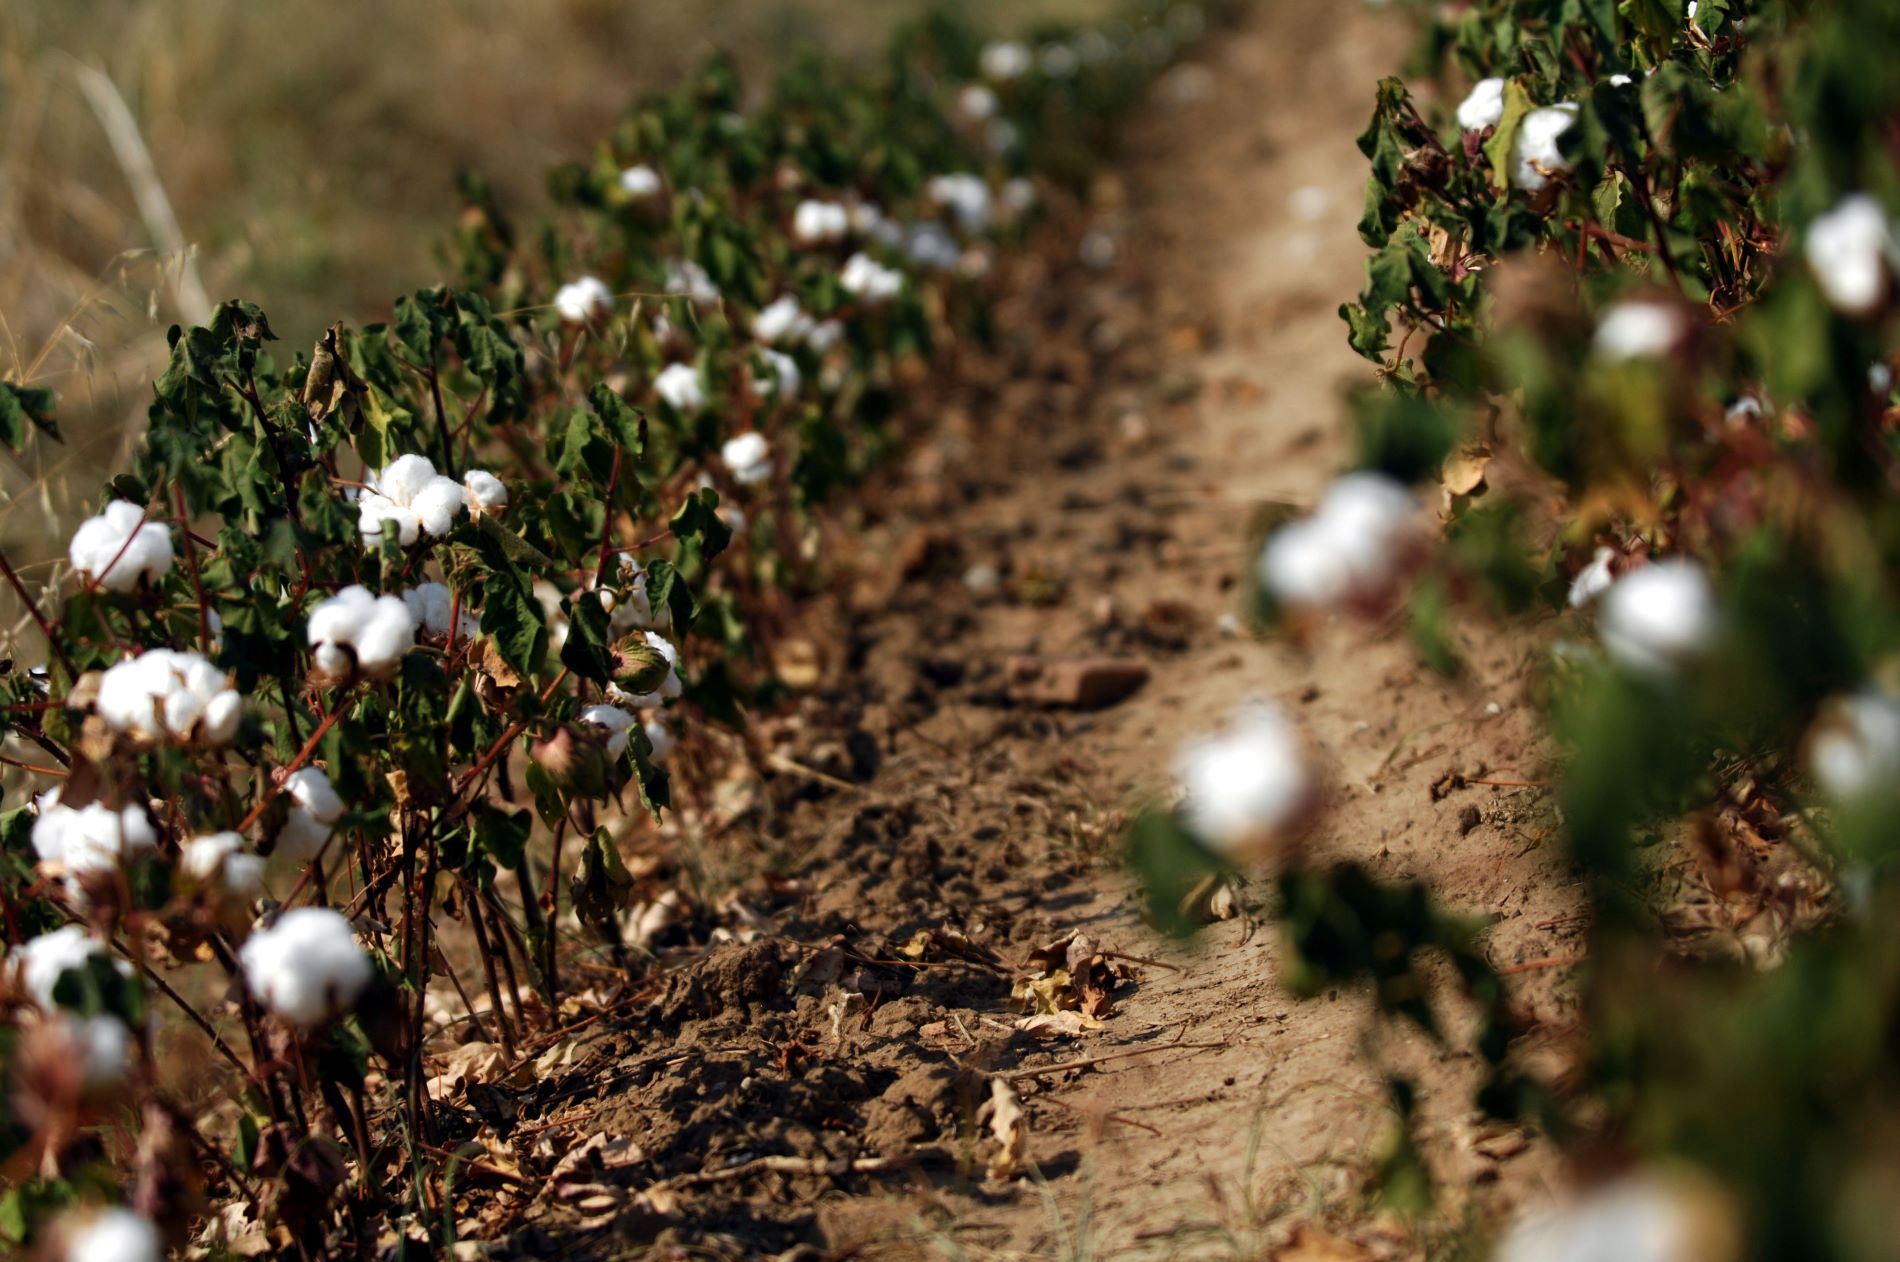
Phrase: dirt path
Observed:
(1086, 493)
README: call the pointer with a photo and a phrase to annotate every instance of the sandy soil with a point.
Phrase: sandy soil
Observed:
(1103, 469)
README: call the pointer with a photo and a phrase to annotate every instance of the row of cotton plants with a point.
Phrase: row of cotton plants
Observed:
(1633, 310)
(400, 632)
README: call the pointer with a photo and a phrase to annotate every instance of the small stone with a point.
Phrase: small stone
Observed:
(1080, 683)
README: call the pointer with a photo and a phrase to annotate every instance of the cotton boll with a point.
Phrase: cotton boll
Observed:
(1620, 81)
(1351, 548)
(307, 968)
(112, 1235)
(119, 547)
(88, 839)
(355, 628)
(1593, 579)
(783, 320)
(659, 740)
(866, 217)
(1659, 617)
(1854, 750)
(1018, 195)
(1849, 250)
(39, 962)
(749, 457)
(976, 102)
(164, 694)
(689, 280)
(1298, 566)
(616, 723)
(669, 688)
(483, 492)
(640, 182)
(1535, 155)
(825, 336)
(1634, 1219)
(1638, 330)
(411, 493)
(1246, 784)
(313, 815)
(103, 1047)
(965, 196)
(431, 604)
(678, 385)
(866, 278)
(819, 223)
(1003, 61)
(931, 245)
(1309, 203)
(1483, 107)
(202, 858)
(630, 607)
(584, 301)
(782, 378)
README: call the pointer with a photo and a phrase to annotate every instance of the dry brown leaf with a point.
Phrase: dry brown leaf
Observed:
(1049, 1025)
(1310, 1244)
(1009, 1127)
(1464, 473)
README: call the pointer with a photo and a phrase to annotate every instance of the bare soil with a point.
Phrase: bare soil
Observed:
(815, 1086)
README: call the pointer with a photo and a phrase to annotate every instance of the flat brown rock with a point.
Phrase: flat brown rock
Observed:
(1084, 683)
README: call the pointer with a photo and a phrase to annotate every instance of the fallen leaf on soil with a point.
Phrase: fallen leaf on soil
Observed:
(561, 1056)
(1048, 1025)
(465, 1064)
(1009, 1126)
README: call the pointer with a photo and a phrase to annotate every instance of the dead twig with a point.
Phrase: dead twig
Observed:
(1038, 1071)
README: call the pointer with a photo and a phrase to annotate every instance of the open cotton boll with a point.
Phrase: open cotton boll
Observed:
(315, 809)
(965, 196)
(483, 492)
(782, 378)
(1350, 548)
(1849, 250)
(866, 278)
(1483, 106)
(630, 607)
(584, 301)
(202, 858)
(38, 963)
(1018, 195)
(1634, 1219)
(1854, 750)
(669, 688)
(119, 547)
(354, 628)
(820, 223)
(432, 603)
(976, 102)
(1659, 617)
(103, 1047)
(687, 279)
(1638, 330)
(409, 492)
(112, 1235)
(1246, 784)
(749, 457)
(1593, 579)
(782, 320)
(90, 838)
(659, 740)
(825, 336)
(307, 968)
(1535, 155)
(931, 245)
(678, 385)
(640, 182)
(612, 720)
(1004, 60)
(166, 694)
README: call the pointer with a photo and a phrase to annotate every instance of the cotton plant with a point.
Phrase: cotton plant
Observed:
(121, 548)
(1006, 60)
(966, 197)
(640, 182)
(664, 687)
(39, 963)
(220, 862)
(1639, 329)
(85, 843)
(1637, 1218)
(1853, 750)
(820, 223)
(687, 279)
(615, 725)
(432, 605)
(782, 321)
(111, 1234)
(781, 380)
